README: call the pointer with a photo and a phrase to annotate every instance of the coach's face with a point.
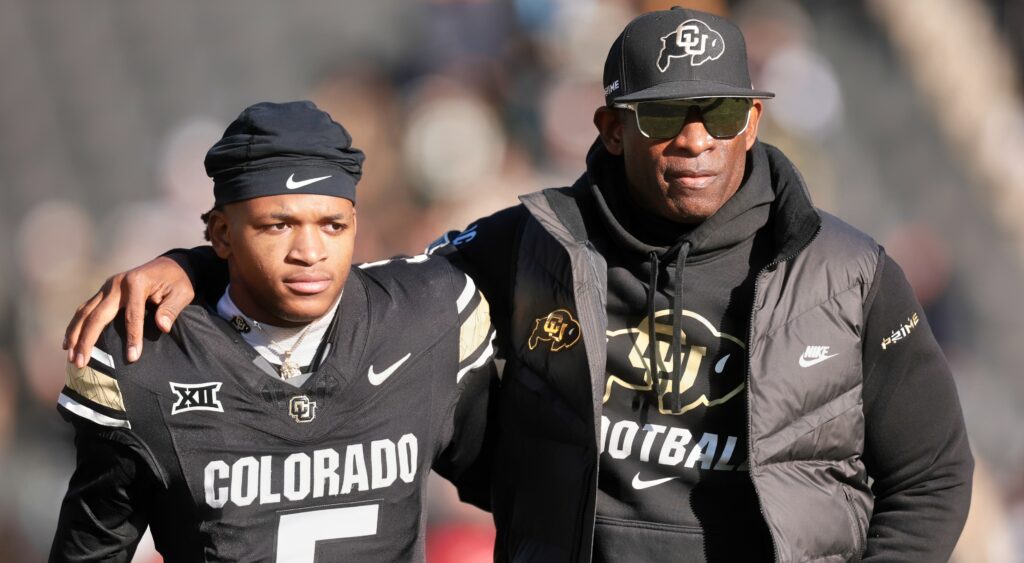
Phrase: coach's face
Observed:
(288, 255)
(686, 178)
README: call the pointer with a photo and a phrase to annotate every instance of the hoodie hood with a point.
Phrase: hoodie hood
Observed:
(638, 232)
(647, 243)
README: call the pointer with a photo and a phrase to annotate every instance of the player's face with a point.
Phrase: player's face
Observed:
(686, 178)
(288, 255)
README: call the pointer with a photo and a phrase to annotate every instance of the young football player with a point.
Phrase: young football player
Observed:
(294, 417)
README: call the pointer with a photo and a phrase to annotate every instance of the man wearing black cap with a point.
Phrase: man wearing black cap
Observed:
(700, 365)
(295, 415)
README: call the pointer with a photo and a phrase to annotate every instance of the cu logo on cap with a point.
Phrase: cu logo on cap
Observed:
(693, 39)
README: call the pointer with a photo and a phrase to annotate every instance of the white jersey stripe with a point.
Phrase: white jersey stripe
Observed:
(89, 414)
(486, 355)
(102, 357)
(467, 294)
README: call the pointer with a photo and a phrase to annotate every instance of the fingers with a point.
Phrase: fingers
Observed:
(93, 321)
(172, 304)
(136, 290)
(175, 294)
(161, 281)
(71, 333)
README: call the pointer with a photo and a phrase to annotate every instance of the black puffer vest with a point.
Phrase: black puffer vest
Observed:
(806, 424)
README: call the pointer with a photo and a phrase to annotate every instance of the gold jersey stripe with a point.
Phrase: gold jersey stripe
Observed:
(474, 330)
(96, 386)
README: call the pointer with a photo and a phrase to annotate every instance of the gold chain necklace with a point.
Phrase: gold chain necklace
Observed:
(289, 368)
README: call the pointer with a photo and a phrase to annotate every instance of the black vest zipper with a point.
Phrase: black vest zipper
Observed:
(750, 345)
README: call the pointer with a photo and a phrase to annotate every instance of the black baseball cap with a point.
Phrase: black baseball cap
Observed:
(283, 148)
(678, 54)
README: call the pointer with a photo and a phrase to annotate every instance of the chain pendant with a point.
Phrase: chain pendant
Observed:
(289, 369)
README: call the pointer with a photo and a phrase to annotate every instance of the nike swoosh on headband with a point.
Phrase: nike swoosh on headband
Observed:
(291, 184)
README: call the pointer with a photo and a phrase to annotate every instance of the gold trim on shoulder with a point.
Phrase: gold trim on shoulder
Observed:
(474, 330)
(95, 386)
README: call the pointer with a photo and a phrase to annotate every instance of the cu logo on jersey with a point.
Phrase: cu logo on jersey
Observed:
(196, 397)
(301, 409)
(557, 327)
(693, 39)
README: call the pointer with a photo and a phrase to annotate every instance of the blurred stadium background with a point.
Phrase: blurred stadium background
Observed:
(906, 117)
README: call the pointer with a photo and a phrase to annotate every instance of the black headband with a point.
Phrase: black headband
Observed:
(274, 149)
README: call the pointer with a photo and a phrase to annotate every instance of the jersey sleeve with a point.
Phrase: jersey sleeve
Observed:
(92, 394)
(105, 510)
(207, 272)
(476, 333)
(487, 251)
(465, 459)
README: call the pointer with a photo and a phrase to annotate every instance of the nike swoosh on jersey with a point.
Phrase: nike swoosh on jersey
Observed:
(376, 378)
(639, 484)
(291, 184)
(805, 363)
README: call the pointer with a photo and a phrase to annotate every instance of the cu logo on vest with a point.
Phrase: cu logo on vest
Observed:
(558, 327)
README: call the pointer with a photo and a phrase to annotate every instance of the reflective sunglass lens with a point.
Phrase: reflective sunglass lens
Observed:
(722, 117)
(727, 118)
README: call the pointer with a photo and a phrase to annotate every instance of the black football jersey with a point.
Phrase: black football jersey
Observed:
(203, 442)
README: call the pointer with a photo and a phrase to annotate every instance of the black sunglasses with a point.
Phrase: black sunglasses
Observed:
(663, 119)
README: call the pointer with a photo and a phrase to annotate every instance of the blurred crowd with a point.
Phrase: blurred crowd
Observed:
(108, 108)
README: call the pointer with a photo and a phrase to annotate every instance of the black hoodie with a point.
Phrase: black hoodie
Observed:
(650, 503)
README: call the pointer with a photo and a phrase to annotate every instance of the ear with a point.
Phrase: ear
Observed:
(609, 125)
(219, 233)
(750, 135)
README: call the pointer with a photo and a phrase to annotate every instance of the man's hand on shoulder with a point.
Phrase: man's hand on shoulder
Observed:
(161, 281)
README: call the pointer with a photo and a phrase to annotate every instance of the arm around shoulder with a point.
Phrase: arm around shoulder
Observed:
(466, 458)
(207, 273)
(487, 251)
(168, 281)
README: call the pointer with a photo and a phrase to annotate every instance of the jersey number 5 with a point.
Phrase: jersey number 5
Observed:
(298, 532)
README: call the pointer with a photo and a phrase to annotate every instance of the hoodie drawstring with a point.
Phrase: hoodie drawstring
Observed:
(676, 351)
(657, 364)
(653, 358)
